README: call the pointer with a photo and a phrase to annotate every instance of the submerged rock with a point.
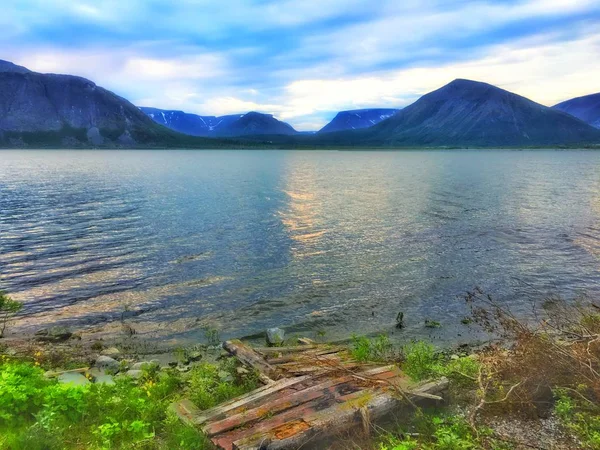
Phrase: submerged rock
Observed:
(275, 336)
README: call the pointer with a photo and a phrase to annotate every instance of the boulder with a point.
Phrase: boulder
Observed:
(101, 377)
(134, 373)
(275, 336)
(53, 334)
(142, 365)
(73, 378)
(113, 352)
(107, 363)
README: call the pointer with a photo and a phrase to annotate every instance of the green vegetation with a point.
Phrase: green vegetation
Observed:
(378, 349)
(579, 415)
(8, 308)
(431, 431)
(39, 413)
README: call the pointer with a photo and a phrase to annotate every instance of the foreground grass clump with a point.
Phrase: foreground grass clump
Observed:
(439, 431)
(378, 349)
(39, 413)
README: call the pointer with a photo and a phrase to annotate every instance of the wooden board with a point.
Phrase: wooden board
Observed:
(332, 394)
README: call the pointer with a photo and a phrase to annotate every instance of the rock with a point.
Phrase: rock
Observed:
(454, 357)
(193, 357)
(113, 352)
(134, 373)
(101, 377)
(106, 362)
(242, 370)
(306, 341)
(275, 336)
(73, 378)
(225, 376)
(142, 365)
(53, 334)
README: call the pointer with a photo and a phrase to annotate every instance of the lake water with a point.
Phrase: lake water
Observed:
(334, 242)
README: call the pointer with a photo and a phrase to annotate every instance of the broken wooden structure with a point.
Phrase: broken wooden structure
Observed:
(310, 392)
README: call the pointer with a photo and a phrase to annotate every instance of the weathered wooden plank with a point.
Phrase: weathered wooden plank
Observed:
(275, 406)
(372, 404)
(247, 400)
(251, 358)
(186, 411)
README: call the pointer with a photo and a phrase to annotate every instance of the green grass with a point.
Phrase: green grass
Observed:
(378, 349)
(579, 415)
(439, 431)
(40, 413)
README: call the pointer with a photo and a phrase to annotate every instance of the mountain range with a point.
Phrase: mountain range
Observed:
(357, 118)
(586, 108)
(50, 110)
(471, 113)
(252, 123)
(65, 110)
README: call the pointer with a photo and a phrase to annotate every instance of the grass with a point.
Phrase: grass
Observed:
(39, 413)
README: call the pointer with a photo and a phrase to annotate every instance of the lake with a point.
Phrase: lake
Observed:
(320, 242)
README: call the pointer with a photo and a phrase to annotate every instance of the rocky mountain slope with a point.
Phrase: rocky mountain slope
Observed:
(586, 108)
(471, 113)
(357, 119)
(69, 111)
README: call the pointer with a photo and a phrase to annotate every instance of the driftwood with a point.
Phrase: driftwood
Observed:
(51, 374)
(334, 394)
(253, 359)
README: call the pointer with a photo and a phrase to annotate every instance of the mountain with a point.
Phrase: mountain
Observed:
(586, 108)
(65, 110)
(357, 118)
(471, 113)
(252, 123)
(187, 123)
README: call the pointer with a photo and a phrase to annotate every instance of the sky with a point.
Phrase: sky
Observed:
(304, 60)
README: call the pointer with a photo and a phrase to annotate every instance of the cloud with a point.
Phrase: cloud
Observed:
(302, 61)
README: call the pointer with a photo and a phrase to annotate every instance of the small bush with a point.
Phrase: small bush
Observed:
(579, 415)
(8, 308)
(421, 361)
(378, 349)
(439, 432)
(211, 384)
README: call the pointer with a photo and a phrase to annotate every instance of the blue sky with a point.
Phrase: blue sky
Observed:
(303, 60)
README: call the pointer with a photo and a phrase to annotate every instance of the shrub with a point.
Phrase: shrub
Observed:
(579, 415)
(21, 392)
(8, 308)
(421, 361)
(378, 349)
(211, 384)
